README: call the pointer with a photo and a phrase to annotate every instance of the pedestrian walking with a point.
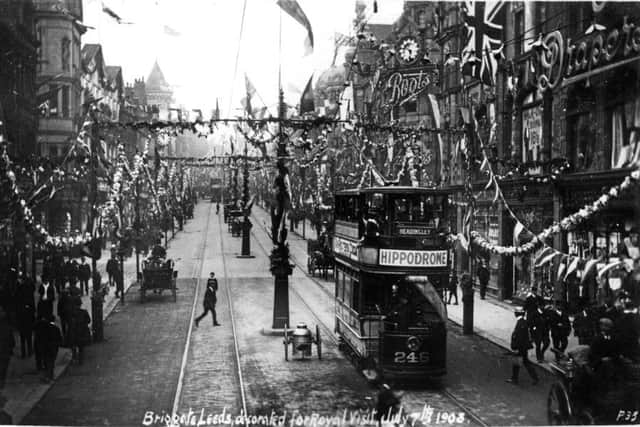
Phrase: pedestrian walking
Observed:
(540, 333)
(26, 318)
(119, 282)
(51, 341)
(217, 208)
(79, 332)
(521, 344)
(210, 299)
(7, 343)
(65, 309)
(453, 287)
(47, 296)
(39, 332)
(560, 326)
(112, 269)
(483, 278)
(84, 273)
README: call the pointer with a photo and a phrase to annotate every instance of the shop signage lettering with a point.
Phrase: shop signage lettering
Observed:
(402, 85)
(345, 248)
(399, 258)
(413, 231)
(572, 59)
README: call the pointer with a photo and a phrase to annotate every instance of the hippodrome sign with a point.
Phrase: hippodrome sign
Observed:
(566, 62)
(399, 258)
(403, 85)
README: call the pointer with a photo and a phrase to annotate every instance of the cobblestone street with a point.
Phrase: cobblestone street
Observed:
(135, 371)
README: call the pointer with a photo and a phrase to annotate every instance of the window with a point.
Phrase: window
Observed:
(580, 141)
(518, 25)
(41, 34)
(411, 106)
(355, 298)
(65, 102)
(54, 110)
(65, 54)
(624, 120)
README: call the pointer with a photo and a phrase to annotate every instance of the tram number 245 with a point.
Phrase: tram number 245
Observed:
(411, 357)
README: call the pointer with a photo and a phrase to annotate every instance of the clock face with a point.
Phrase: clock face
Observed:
(408, 50)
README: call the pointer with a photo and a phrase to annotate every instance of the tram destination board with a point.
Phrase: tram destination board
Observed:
(407, 258)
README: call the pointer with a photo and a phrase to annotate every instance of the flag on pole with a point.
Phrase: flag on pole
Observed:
(518, 229)
(307, 104)
(295, 11)
(114, 15)
(484, 22)
(246, 101)
(573, 265)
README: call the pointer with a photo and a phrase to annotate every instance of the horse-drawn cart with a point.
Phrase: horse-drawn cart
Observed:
(158, 275)
(319, 257)
(608, 395)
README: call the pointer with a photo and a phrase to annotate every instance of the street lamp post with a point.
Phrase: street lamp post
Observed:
(97, 296)
(280, 266)
(246, 224)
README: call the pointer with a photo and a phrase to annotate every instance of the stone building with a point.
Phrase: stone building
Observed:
(159, 92)
(18, 116)
(18, 60)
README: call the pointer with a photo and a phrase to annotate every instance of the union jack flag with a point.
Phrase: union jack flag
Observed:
(484, 22)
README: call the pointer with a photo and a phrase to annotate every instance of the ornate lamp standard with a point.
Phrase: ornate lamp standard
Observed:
(246, 224)
(280, 266)
(97, 296)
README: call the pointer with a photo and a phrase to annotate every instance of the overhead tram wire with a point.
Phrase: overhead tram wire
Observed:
(235, 69)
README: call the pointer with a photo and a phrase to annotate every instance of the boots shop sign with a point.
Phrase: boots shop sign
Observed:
(563, 62)
(403, 85)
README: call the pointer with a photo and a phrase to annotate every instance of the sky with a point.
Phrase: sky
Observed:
(199, 59)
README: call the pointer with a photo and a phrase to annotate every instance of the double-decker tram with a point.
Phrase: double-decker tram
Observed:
(392, 265)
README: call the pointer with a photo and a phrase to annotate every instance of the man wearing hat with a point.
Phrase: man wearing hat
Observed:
(210, 299)
(520, 344)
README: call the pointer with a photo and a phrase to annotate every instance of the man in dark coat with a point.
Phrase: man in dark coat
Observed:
(520, 344)
(65, 309)
(112, 269)
(210, 299)
(79, 332)
(453, 287)
(483, 278)
(7, 343)
(540, 333)
(84, 273)
(26, 312)
(560, 326)
(49, 341)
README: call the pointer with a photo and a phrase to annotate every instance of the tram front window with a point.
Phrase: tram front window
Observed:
(419, 208)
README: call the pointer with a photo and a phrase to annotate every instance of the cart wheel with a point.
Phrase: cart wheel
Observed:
(558, 405)
(286, 344)
(319, 342)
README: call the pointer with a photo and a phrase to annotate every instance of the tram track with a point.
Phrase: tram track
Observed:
(241, 384)
(197, 274)
(444, 391)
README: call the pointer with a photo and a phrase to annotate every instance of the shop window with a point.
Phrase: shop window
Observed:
(410, 106)
(532, 134)
(581, 141)
(624, 121)
(355, 298)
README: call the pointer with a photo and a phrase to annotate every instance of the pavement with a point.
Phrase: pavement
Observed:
(23, 384)
(493, 319)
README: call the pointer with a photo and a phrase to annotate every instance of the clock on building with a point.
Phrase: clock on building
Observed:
(408, 50)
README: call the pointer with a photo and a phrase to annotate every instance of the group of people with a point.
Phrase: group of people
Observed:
(61, 271)
(609, 330)
(40, 336)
